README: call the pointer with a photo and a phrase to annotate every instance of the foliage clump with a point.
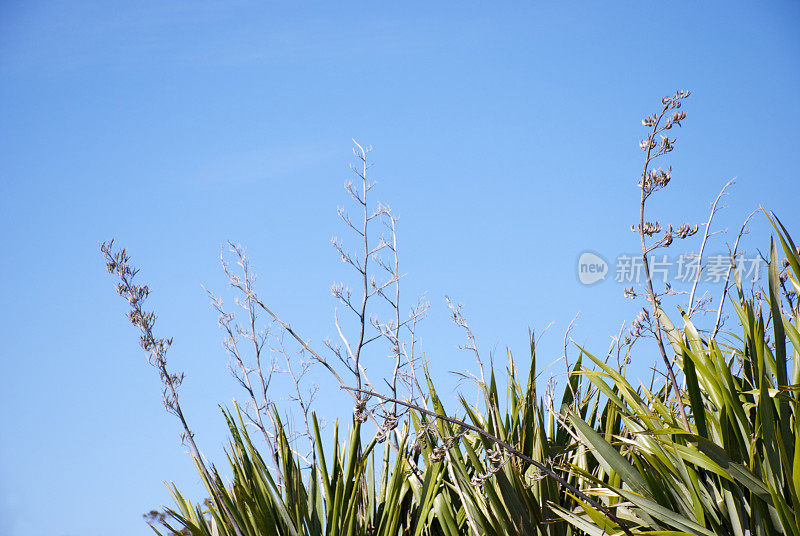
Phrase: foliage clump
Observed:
(710, 450)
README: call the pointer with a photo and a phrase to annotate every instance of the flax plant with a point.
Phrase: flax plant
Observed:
(717, 456)
(736, 470)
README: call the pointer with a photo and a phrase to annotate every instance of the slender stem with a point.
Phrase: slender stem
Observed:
(397, 325)
(117, 263)
(362, 315)
(728, 274)
(651, 293)
(703, 246)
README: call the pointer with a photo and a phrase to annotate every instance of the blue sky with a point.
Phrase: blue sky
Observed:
(505, 138)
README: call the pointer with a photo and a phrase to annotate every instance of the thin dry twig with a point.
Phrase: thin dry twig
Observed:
(257, 390)
(733, 253)
(256, 380)
(706, 234)
(472, 343)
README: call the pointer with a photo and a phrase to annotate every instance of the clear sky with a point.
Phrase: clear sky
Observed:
(505, 137)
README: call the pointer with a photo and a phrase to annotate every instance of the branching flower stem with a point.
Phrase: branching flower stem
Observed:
(645, 192)
(362, 156)
(297, 337)
(117, 264)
